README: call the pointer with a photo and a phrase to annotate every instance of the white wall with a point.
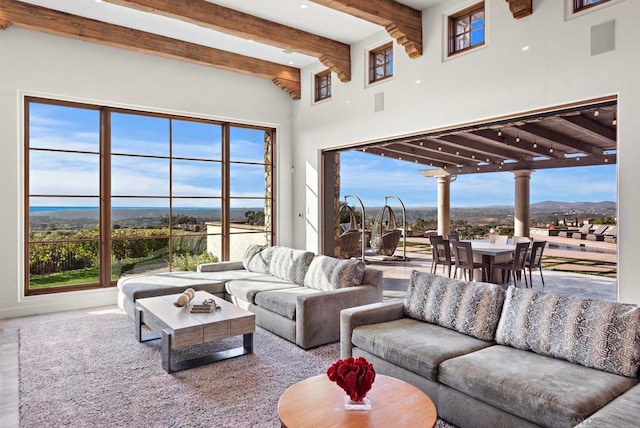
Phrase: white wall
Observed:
(495, 80)
(39, 64)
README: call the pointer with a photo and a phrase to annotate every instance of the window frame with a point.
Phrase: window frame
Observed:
(105, 223)
(451, 28)
(372, 62)
(579, 6)
(322, 80)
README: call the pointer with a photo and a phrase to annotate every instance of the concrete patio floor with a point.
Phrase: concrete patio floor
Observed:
(566, 280)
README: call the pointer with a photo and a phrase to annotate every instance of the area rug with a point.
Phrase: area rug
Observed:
(90, 371)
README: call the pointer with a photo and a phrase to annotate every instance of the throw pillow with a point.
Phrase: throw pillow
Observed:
(257, 258)
(598, 334)
(472, 308)
(328, 273)
(290, 264)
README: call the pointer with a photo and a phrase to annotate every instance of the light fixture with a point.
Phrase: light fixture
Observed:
(499, 133)
(291, 62)
(535, 145)
(606, 160)
(517, 139)
(457, 153)
(614, 122)
(473, 156)
(303, 5)
(439, 148)
(596, 113)
(399, 157)
(551, 150)
(415, 160)
(382, 154)
(487, 159)
(421, 143)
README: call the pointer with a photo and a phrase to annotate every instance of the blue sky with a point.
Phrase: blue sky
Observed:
(372, 178)
(75, 129)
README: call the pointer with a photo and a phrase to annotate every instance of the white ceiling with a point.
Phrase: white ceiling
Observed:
(314, 19)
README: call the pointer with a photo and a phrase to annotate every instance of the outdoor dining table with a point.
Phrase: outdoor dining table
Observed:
(491, 253)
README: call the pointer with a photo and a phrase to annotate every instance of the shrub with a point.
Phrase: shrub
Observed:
(190, 262)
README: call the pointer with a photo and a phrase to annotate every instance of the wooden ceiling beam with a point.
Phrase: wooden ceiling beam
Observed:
(333, 54)
(459, 156)
(485, 151)
(384, 152)
(403, 23)
(524, 145)
(411, 152)
(540, 164)
(520, 8)
(38, 18)
(560, 139)
(596, 130)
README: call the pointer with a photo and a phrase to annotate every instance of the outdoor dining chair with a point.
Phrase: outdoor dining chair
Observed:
(534, 260)
(463, 254)
(501, 239)
(515, 266)
(453, 236)
(441, 251)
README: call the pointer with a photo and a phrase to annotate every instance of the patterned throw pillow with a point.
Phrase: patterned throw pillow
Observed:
(598, 334)
(257, 258)
(290, 264)
(472, 308)
(328, 273)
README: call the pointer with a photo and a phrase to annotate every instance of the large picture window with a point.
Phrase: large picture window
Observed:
(111, 192)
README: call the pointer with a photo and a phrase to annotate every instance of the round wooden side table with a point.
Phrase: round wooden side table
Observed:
(318, 402)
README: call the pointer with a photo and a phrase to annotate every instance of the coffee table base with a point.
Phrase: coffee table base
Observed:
(166, 337)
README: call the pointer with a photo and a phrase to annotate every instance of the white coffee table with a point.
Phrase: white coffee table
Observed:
(178, 327)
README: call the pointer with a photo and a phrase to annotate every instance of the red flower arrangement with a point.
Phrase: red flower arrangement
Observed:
(355, 376)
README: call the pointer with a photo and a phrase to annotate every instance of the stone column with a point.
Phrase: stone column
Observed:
(522, 214)
(444, 204)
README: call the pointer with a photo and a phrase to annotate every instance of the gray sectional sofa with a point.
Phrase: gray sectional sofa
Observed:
(515, 358)
(294, 293)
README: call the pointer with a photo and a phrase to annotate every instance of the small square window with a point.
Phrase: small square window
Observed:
(323, 85)
(381, 63)
(579, 5)
(466, 29)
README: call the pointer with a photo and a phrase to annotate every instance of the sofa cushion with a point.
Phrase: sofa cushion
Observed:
(290, 264)
(599, 334)
(621, 412)
(282, 302)
(414, 345)
(540, 389)
(257, 258)
(246, 289)
(150, 285)
(328, 273)
(471, 308)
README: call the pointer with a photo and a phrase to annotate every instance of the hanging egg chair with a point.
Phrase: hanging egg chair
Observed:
(349, 239)
(385, 235)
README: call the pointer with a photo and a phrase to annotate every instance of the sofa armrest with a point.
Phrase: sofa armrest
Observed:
(369, 314)
(318, 314)
(220, 266)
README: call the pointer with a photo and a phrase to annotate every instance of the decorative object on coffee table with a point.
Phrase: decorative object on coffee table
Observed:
(316, 401)
(207, 306)
(355, 377)
(185, 298)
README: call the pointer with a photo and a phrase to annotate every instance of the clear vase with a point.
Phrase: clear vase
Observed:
(349, 404)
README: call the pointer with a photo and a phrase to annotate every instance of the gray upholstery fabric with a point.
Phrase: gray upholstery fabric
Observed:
(257, 258)
(472, 308)
(282, 302)
(140, 286)
(290, 264)
(415, 345)
(220, 266)
(624, 411)
(328, 273)
(246, 289)
(373, 313)
(599, 334)
(544, 390)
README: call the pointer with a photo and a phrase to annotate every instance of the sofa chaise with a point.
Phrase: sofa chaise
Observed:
(294, 293)
(494, 358)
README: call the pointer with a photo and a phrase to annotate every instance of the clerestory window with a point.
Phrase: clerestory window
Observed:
(381, 63)
(112, 192)
(467, 29)
(323, 85)
(579, 5)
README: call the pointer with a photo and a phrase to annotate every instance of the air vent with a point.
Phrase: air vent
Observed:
(378, 102)
(603, 38)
